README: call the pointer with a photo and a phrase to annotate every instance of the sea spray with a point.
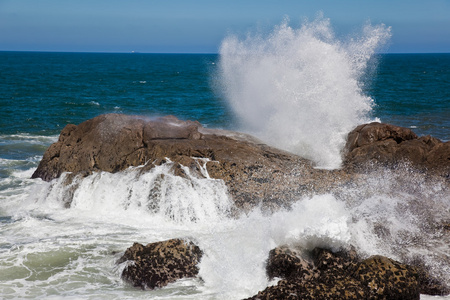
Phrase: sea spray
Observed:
(155, 193)
(394, 213)
(300, 89)
(236, 252)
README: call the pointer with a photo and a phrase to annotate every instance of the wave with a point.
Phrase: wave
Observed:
(393, 213)
(157, 193)
(300, 89)
(30, 138)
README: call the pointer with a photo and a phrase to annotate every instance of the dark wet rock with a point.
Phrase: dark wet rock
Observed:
(323, 274)
(284, 262)
(391, 145)
(429, 284)
(388, 279)
(158, 264)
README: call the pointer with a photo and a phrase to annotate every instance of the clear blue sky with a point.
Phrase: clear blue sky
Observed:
(198, 26)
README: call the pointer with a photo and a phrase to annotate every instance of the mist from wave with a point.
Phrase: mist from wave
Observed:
(64, 237)
(300, 89)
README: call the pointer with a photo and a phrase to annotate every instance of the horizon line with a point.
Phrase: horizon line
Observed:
(193, 53)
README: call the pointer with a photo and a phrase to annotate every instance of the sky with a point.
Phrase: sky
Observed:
(199, 26)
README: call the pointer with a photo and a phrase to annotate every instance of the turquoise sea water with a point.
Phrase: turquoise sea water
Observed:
(412, 90)
(47, 251)
(43, 92)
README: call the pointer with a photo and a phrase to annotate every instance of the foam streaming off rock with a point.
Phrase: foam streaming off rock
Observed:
(300, 89)
(158, 193)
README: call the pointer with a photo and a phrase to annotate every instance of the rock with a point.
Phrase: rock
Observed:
(391, 145)
(284, 262)
(339, 275)
(111, 143)
(161, 263)
(255, 175)
(428, 284)
(388, 279)
(253, 172)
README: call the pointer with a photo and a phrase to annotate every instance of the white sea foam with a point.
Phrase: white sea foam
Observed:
(111, 211)
(28, 138)
(157, 193)
(235, 254)
(300, 89)
(71, 253)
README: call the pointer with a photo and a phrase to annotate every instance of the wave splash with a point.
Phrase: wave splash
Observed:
(157, 193)
(300, 89)
(396, 213)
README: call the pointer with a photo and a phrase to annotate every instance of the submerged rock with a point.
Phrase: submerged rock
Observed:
(158, 264)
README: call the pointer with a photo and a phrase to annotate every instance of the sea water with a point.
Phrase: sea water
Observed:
(301, 89)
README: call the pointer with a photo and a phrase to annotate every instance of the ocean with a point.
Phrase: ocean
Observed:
(303, 93)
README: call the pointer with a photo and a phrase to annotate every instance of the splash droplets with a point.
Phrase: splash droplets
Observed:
(299, 89)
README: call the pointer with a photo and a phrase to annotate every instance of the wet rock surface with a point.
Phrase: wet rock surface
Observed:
(257, 175)
(323, 274)
(158, 264)
(254, 173)
(391, 145)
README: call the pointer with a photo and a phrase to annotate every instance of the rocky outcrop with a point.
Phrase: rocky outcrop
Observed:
(158, 264)
(391, 145)
(322, 274)
(115, 142)
(253, 172)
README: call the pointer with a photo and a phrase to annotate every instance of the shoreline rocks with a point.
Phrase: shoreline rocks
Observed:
(255, 175)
